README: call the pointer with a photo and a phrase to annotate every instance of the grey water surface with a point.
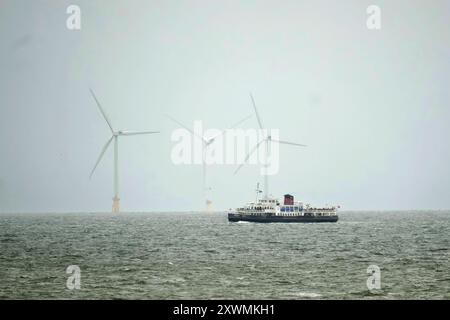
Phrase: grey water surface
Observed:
(203, 256)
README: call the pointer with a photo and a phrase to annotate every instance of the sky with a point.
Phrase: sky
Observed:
(372, 106)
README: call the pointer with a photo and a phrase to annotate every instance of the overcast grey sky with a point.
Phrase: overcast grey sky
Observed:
(372, 106)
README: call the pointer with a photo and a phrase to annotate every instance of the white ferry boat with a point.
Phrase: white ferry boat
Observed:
(271, 210)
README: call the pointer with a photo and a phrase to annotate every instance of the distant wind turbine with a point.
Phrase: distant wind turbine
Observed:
(207, 141)
(268, 140)
(115, 136)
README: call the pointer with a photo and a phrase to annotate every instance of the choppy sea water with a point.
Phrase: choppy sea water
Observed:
(203, 256)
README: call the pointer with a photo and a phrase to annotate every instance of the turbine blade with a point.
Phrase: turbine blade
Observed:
(240, 121)
(290, 143)
(101, 155)
(256, 111)
(101, 110)
(185, 127)
(248, 155)
(232, 127)
(132, 133)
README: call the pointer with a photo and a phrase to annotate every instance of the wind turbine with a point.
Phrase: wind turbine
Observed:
(267, 139)
(206, 142)
(115, 136)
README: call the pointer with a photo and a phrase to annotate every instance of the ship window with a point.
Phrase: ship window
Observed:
(282, 209)
(295, 208)
(291, 209)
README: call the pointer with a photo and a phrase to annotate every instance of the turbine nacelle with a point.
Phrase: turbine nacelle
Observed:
(209, 141)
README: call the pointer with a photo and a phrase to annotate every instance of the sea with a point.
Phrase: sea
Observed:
(203, 256)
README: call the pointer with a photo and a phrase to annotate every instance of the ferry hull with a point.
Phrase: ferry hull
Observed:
(235, 217)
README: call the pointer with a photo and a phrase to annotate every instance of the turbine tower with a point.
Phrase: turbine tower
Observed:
(206, 142)
(267, 139)
(115, 136)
